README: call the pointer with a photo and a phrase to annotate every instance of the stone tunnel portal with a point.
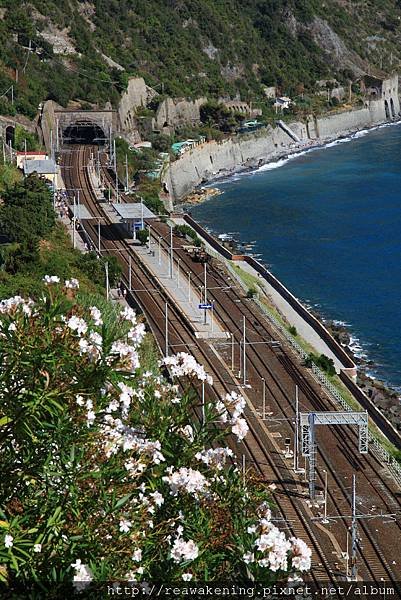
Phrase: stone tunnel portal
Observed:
(84, 132)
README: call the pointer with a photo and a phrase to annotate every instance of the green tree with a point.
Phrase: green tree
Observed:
(27, 213)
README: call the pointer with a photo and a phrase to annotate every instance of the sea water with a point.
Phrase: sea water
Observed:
(328, 224)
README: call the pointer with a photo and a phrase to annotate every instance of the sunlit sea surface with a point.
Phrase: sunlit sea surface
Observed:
(328, 225)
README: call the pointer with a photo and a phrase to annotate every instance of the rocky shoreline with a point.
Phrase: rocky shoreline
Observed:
(380, 393)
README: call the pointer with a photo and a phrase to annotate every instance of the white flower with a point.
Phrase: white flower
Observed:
(96, 315)
(157, 498)
(79, 400)
(187, 576)
(137, 556)
(248, 557)
(128, 314)
(12, 327)
(182, 551)
(49, 279)
(187, 480)
(37, 548)
(214, 457)
(8, 541)
(240, 429)
(125, 525)
(72, 284)
(83, 575)
(301, 555)
(185, 365)
(90, 418)
(77, 324)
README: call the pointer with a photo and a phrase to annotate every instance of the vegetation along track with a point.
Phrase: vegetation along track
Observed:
(258, 447)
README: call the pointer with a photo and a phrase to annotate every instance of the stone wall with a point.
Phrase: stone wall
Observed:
(176, 112)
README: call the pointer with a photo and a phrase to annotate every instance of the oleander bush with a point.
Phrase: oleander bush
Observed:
(106, 473)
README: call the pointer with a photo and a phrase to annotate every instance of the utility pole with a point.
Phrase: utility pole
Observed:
(189, 286)
(106, 268)
(115, 169)
(205, 290)
(171, 253)
(296, 431)
(354, 532)
(73, 224)
(12, 94)
(263, 399)
(203, 403)
(244, 351)
(126, 174)
(232, 352)
(129, 272)
(57, 135)
(166, 327)
(98, 236)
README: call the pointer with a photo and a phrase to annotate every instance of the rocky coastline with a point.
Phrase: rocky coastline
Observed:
(381, 394)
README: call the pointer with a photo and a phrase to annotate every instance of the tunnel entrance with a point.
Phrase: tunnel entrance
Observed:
(387, 109)
(10, 131)
(84, 133)
(392, 108)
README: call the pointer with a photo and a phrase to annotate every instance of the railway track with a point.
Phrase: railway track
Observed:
(341, 446)
(258, 447)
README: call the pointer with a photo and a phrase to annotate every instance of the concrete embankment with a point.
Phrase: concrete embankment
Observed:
(312, 330)
(246, 151)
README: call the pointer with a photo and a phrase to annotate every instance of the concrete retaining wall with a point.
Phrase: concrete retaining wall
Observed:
(213, 159)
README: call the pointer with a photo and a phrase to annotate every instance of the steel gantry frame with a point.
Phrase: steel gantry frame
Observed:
(308, 421)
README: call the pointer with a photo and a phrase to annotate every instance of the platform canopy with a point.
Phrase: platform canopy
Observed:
(80, 212)
(133, 212)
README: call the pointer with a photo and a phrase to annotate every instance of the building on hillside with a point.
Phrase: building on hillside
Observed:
(180, 147)
(45, 168)
(31, 155)
(282, 103)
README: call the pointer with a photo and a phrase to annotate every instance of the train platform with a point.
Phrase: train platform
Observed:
(177, 283)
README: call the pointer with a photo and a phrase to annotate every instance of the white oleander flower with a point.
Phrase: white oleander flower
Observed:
(8, 540)
(301, 555)
(77, 324)
(187, 576)
(187, 480)
(182, 550)
(83, 575)
(240, 428)
(50, 279)
(37, 548)
(96, 315)
(125, 525)
(137, 556)
(72, 284)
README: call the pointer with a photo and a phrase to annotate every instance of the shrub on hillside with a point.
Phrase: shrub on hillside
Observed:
(105, 475)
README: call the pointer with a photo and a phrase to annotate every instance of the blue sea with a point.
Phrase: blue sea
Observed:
(328, 224)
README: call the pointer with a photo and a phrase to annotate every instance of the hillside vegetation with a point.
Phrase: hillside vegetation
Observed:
(86, 51)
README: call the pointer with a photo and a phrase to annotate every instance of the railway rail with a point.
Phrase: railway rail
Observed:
(281, 373)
